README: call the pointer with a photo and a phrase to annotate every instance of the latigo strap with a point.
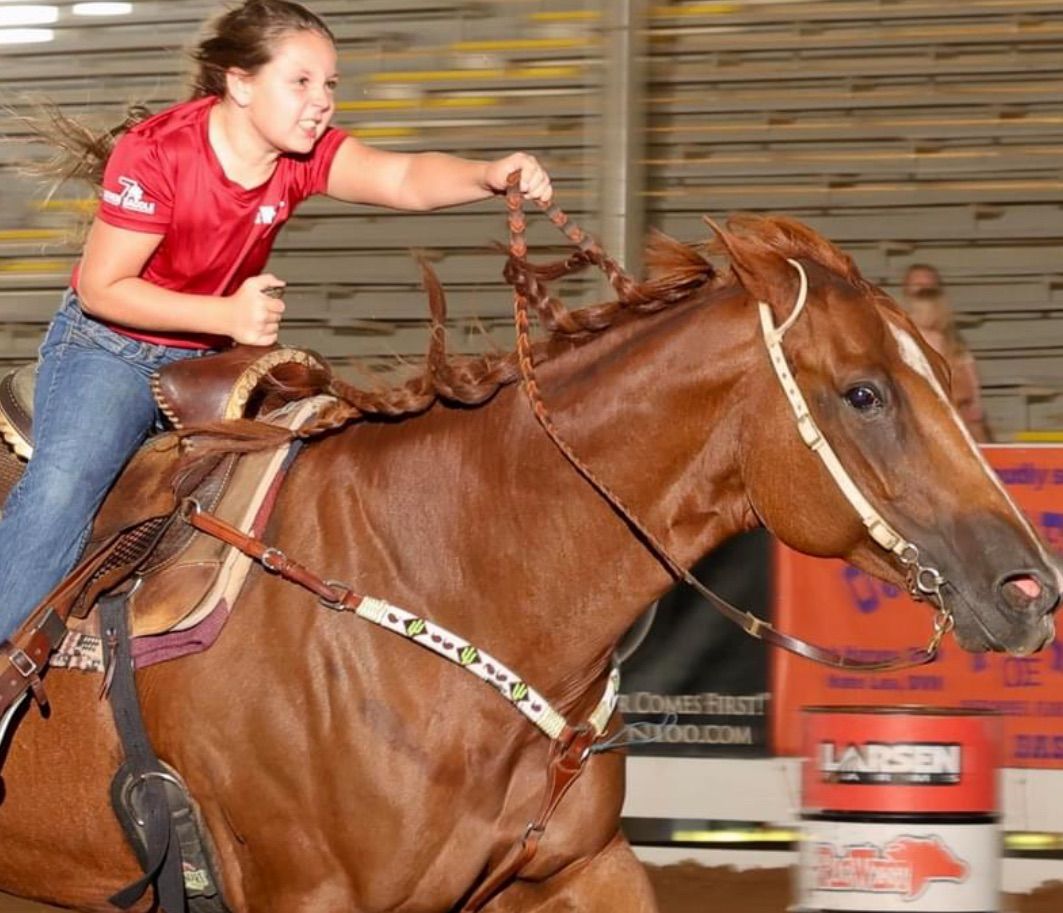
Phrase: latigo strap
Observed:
(25, 656)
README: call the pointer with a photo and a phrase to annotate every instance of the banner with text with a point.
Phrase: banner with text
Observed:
(833, 604)
(698, 684)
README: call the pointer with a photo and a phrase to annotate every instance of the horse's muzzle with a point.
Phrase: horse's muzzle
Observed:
(1018, 620)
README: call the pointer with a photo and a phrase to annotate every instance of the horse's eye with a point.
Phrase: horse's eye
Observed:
(863, 397)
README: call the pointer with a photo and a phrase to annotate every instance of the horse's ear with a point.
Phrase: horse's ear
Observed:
(763, 272)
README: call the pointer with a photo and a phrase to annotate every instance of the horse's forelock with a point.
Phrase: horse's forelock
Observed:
(763, 235)
(763, 238)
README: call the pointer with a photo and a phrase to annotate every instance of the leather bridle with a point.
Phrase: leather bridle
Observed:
(924, 582)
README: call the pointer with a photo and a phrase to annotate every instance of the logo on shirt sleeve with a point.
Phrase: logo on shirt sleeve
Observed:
(131, 197)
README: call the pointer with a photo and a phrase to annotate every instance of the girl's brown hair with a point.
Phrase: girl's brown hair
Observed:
(243, 38)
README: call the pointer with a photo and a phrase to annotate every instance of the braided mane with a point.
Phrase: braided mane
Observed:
(674, 271)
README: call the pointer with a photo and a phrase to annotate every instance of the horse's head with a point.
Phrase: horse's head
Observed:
(881, 440)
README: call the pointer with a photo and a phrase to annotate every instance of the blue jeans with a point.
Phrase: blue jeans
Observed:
(92, 409)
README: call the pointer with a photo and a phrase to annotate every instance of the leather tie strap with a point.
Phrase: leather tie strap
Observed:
(24, 658)
(270, 558)
(568, 758)
(26, 654)
(27, 657)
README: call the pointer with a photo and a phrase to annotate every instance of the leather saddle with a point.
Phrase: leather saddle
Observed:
(241, 382)
(182, 576)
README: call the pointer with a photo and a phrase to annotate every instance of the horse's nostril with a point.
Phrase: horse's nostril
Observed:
(1030, 587)
(1028, 592)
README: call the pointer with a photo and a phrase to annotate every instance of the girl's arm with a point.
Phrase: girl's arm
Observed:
(427, 180)
(110, 287)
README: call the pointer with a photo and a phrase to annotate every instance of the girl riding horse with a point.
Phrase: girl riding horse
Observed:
(174, 265)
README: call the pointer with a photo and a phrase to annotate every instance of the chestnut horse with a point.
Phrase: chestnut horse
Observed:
(341, 768)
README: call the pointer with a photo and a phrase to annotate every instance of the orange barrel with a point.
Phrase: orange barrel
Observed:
(899, 810)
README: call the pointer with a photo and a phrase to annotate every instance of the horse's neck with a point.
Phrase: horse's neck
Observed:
(474, 518)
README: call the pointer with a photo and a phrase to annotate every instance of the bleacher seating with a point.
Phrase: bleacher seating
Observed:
(909, 131)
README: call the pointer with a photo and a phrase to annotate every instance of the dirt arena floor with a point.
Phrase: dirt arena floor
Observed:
(691, 888)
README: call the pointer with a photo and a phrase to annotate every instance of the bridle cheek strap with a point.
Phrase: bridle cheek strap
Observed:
(877, 527)
(924, 582)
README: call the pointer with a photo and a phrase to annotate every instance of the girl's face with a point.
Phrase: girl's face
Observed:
(290, 99)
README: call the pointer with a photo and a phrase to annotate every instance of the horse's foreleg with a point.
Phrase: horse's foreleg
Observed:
(614, 881)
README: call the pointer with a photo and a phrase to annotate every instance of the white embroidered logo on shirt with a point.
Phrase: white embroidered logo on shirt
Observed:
(267, 215)
(131, 197)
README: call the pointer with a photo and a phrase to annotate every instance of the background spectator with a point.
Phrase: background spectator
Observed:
(920, 277)
(931, 312)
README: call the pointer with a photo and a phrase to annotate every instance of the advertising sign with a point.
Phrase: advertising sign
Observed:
(886, 866)
(899, 810)
(698, 684)
(834, 605)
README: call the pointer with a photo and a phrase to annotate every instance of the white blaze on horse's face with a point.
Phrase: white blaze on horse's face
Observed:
(913, 355)
(916, 359)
